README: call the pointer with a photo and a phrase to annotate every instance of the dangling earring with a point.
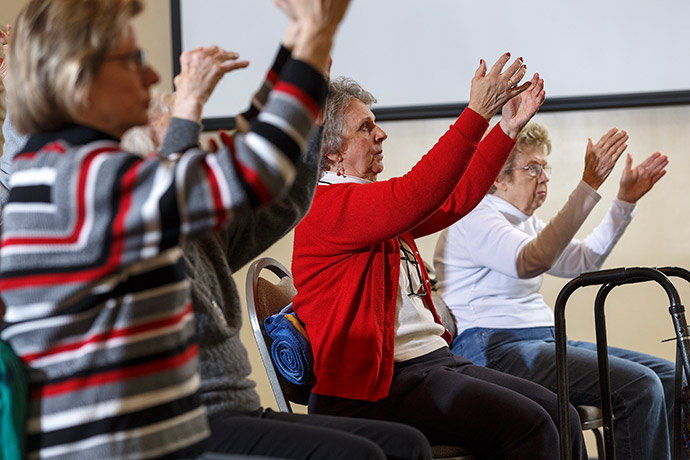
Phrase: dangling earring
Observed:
(339, 169)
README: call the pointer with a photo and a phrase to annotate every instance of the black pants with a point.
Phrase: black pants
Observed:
(315, 437)
(453, 401)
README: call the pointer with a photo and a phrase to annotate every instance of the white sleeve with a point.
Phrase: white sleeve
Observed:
(590, 254)
(538, 255)
(491, 240)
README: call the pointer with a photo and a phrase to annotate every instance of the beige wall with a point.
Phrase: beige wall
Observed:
(637, 315)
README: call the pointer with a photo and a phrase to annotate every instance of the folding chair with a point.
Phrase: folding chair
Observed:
(265, 298)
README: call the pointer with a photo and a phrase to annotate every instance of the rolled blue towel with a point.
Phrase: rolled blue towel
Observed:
(291, 349)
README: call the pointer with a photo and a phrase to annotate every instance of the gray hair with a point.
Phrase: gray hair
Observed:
(56, 49)
(532, 135)
(340, 92)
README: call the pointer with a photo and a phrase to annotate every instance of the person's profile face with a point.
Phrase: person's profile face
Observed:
(362, 150)
(119, 95)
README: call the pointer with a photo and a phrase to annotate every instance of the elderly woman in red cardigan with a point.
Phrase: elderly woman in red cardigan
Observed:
(380, 350)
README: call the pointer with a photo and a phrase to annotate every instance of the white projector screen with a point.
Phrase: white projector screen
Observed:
(418, 58)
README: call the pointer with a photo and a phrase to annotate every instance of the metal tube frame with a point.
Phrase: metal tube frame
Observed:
(609, 279)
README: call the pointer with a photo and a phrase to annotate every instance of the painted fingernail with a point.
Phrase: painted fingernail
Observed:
(508, 54)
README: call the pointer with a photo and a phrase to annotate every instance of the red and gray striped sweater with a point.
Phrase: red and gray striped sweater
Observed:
(97, 303)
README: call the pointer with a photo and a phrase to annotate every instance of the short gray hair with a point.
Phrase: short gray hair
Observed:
(532, 135)
(56, 49)
(340, 92)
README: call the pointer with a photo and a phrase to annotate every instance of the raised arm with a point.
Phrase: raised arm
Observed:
(403, 203)
(488, 161)
(539, 255)
(244, 119)
(590, 253)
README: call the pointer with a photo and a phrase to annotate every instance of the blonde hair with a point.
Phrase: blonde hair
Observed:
(56, 50)
(532, 135)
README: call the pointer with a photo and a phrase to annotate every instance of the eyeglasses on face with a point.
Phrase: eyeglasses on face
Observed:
(138, 58)
(534, 169)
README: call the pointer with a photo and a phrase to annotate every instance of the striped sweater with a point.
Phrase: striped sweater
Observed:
(98, 307)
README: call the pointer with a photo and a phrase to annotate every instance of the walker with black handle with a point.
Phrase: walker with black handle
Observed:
(609, 279)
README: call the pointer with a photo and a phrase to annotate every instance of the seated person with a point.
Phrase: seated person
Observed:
(490, 266)
(379, 349)
(98, 307)
(238, 423)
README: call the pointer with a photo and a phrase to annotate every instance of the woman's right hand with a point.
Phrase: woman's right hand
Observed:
(601, 157)
(491, 90)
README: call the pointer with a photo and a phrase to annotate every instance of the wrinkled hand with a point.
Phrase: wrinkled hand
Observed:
(5, 42)
(323, 14)
(636, 182)
(200, 71)
(520, 109)
(600, 158)
(286, 7)
(491, 90)
(317, 22)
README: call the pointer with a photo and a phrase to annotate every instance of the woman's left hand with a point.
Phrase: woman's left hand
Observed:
(636, 182)
(200, 71)
(520, 109)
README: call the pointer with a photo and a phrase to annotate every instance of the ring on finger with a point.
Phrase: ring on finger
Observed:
(511, 85)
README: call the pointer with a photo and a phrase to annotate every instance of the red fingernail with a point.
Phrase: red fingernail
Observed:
(508, 54)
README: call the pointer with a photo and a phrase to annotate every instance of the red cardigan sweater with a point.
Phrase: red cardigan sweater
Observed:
(346, 259)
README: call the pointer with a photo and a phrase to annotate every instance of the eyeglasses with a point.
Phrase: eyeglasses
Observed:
(138, 57)
(410, 259)
(534, 169)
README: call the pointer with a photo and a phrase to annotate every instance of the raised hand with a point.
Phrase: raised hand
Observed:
(520, 109)
(491, 90)
(4, 41)
(286, 7)
(636, 182)
(600, 158)
(317, 22)
(200, 71)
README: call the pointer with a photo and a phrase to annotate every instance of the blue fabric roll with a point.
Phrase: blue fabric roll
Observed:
(291, 349)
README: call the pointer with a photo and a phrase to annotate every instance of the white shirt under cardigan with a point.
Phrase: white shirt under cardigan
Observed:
(478, 259)
(416, 332)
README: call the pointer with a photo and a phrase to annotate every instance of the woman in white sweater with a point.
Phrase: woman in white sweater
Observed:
(490, 267)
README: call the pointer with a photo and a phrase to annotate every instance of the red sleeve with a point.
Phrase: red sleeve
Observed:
(485, 166)
(352, 216)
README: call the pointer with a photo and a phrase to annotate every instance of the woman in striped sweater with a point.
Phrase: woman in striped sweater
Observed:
(97, 304)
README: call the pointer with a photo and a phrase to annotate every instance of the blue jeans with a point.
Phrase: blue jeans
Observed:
(641, 385)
